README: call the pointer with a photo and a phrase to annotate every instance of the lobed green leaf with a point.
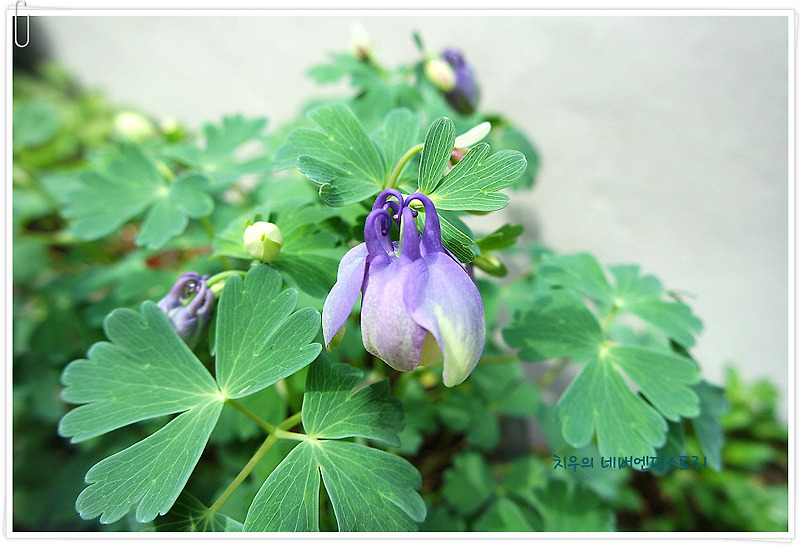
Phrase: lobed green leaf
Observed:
(436, 152)
(144, 372)
(370, 490)
(122, 187)
(398, 133)
(339, 156)
(219, 157)
(468, 484)
(147, 371)
(151, 473)
(259, 340)
(599, 401)
(333, 407)
(580, 273)
(566, 507)
(473, 184)
(556, 324)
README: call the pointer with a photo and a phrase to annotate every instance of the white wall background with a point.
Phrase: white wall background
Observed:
(663, 139)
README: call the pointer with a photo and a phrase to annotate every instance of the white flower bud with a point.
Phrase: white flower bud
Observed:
(263, 241)
(440, 74)
(360, 45)
(133, 126)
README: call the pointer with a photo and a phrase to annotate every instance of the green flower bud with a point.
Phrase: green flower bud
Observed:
(263, 241)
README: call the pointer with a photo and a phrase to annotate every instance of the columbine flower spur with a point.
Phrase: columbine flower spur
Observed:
(418, 301)
(189, 319)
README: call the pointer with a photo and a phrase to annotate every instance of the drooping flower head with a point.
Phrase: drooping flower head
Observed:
(418, 301)
(189, 316)
(464, 95)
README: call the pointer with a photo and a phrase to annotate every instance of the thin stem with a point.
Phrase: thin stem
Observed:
(206, 222)
(265, 425)
(553, 372)
(260, 453)
(609, 317)
(401, 163)
(222, 276)
(281, 434)
(291, 421)
(165, 171)
(277, 433)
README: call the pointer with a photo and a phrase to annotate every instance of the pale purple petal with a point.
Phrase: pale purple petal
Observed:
(444, 300)
(340, 301)
(386, 328)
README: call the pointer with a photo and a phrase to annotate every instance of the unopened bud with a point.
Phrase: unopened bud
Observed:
(263, 241)
(440, 74)
(464, 95)
(360, 45)
(133, 126)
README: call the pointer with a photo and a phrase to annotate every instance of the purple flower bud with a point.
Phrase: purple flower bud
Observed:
(465, 94)
(189, 316)
(419, 302)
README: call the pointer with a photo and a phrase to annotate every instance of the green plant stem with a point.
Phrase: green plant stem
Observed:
(609, 317)
(281, 434)
(401, 163)
(260, 453)
(263, 424)
(206, 222)
(291, 421)
(277, 433)
(553, 372)
(222, 276)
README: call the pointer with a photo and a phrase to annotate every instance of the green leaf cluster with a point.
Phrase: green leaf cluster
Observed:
(747, 492)
(520, 496)
(125, 183)
(218, 156)
(625, 393)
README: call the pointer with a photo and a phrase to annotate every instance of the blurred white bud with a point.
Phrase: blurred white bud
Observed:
(133, 126)
(360, 45)
(440, 74)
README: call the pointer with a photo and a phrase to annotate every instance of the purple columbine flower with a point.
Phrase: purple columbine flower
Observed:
(189, 317)
(419, 303)
(465, 93)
